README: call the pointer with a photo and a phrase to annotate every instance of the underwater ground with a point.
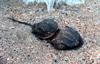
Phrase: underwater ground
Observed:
(19, 46)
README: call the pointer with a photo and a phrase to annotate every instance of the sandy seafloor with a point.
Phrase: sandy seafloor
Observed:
(19, 46)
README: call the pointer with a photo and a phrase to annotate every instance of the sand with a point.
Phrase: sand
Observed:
(19, 46)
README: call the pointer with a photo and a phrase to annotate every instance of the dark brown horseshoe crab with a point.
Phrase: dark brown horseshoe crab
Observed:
(67, 39)
(43, 30)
